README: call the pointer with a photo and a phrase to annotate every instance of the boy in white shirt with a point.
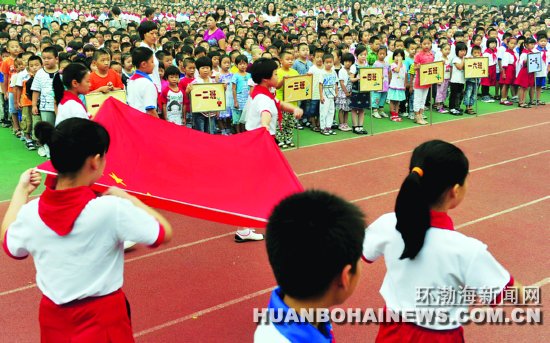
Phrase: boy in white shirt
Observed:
(142, 92)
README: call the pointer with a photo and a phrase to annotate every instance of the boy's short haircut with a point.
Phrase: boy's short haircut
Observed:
(141, 54)
(348, 57)
(51, 50)
(240, 59)
(302, 44)
(310, 238)
(327, 56)
(200, 50)
(262, 69)
(100, 52)
(203, 62)
(318, 51)
(146, 27)
(187, 50)
(187, 61)
(284, 53)
(214, 53)
(160, 54)
(114, 63)
(171, 70)
(477, 48)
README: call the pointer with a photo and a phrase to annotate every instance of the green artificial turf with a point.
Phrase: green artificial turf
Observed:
(15, 158)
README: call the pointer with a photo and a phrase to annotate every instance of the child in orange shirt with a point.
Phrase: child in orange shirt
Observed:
(103, 79)
(9, 71)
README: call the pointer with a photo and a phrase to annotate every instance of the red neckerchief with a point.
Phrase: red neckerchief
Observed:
(70, 96)
(511, 52)
(492, 52)
(258, 89)
(60, 209)
(543, 53)
(441, 220)
(500, 32)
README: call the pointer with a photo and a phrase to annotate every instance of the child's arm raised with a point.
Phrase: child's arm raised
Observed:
(28, 182)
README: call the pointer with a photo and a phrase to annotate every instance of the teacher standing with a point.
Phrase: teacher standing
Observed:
(213, 34)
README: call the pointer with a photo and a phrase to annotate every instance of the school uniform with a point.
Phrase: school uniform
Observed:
(142, 92)
(524, 79)
(290, 331)
(509, 61)
(447, 259)
(76, 240)
(70, 106)
(540, 76)
(492, 79)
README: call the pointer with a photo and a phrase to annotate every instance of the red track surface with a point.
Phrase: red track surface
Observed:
(202, 287)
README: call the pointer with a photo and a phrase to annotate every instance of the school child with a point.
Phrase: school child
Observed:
(491, 53)
(240, 90)
(312, 111)
(76, 238)
(422, 249)
(472, 84)
(189, 68)
(396, 92)
(525, 80)
(378, 99)
(42, 88)
(171, 97)
(225, 77)
(302, 65)
(509, 62)
(103, 79)
(328, 88)
(342, 101)
(75, 81)
(444, 86)
(9, 71)
(457, 80)
(19, 65)
(23, 97)
(408, 104)
(421, 92)
(332, 230)
(358, 101)
(215, 57)
(540, 76)
(142, 92)
(203, 121)
(285, 130)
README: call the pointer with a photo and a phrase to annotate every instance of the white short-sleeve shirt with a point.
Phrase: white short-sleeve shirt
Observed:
(70, 109)
(142, 94)
(257, 105)
(89, 261)
(447, 259)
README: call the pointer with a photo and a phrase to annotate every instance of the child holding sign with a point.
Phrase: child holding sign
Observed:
(470, 95)
(524, 79)
(421, 92)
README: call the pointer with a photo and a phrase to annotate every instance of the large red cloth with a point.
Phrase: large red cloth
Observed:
(235, 180)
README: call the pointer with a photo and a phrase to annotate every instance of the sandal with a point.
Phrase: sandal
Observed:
(524, 106)
(316, 129)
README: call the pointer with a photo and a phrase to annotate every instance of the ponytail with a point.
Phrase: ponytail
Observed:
(58, 88)
(72, 72)
(436, 166)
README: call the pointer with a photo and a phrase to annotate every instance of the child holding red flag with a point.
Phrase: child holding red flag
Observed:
(76, 238)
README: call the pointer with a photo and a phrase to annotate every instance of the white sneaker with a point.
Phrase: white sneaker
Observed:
(376, 115)
(383, 114)
(247, 235)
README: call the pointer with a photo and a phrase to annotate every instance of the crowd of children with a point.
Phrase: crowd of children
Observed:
(210, 44)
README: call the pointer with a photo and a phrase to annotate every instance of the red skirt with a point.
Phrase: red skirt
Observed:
(525, 79)
(411, 333)
(93, 320)
(492, 79)
(510, 72)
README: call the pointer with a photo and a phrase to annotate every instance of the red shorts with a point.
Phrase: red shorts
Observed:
(93, 320)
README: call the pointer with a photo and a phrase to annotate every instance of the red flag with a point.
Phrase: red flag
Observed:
(235, 180)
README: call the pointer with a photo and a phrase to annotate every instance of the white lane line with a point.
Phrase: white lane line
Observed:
(409, 151)
(203, 312)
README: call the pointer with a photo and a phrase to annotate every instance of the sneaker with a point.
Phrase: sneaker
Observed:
(247, 235)
(514, 99)
(299, 126)
(376, 115)
(506, 103)
(442, 110)
(290, 144)
(6, 124)
(325, 132)
(30, 145)
(411, 116)
(383, 114)
(345, 128)
(22, 138)
(487, 99)
(41, 151)
(332, 132)
(334, 126)
(395, 119)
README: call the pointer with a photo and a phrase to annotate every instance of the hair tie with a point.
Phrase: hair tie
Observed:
(418, 170)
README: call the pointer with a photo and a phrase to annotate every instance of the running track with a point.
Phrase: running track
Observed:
(202, 287)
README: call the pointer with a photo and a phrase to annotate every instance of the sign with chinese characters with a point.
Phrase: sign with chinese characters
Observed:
(431, 73)
(371, 79)
(207, 97)
(95, 100)
(476, 67)
(534, 62)
(298, 88)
